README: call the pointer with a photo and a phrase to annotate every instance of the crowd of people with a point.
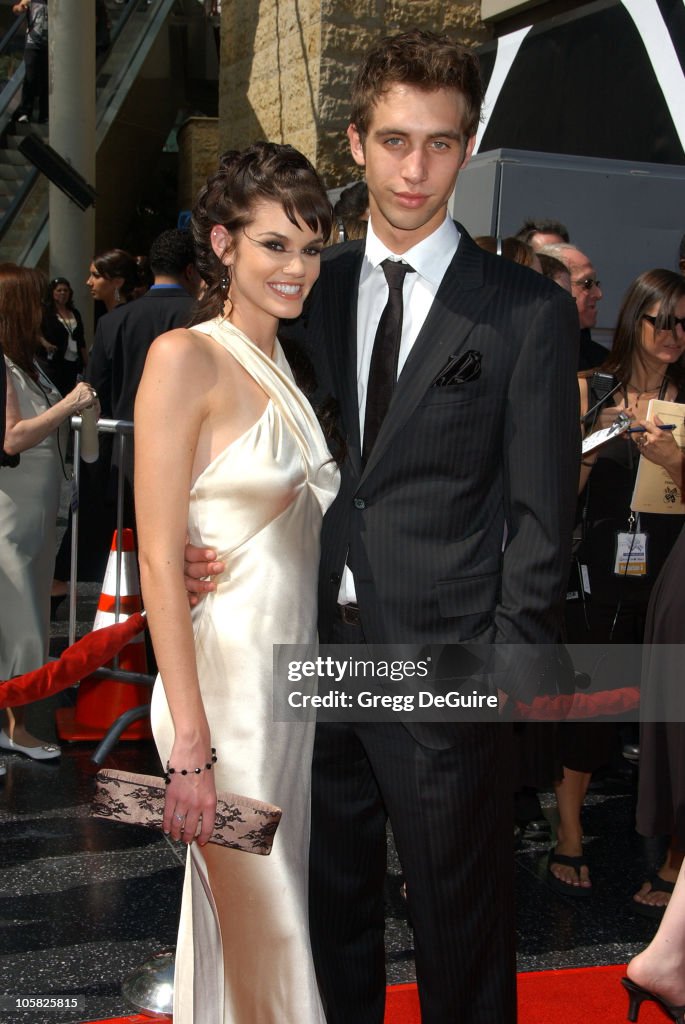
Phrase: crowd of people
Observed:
(398, 336)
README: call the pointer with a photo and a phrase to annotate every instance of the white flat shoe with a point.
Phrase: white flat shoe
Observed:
(46, 752)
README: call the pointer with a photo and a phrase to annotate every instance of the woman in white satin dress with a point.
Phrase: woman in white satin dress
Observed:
(229, 454)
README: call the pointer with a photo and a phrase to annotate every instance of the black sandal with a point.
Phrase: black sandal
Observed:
(650, 909)
(564, 888)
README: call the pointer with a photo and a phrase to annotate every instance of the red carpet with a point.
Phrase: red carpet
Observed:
(593, 995)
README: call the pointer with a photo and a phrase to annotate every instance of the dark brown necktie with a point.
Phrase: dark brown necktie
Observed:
(385, 354)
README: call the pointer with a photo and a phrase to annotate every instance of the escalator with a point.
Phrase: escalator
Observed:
(137, 102)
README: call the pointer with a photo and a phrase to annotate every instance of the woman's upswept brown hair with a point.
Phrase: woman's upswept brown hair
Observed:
(659, 287)
(264, 172)
(421, 59)
(21, 311)
(119, 263)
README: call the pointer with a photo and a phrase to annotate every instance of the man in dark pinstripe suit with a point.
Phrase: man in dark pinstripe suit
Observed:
(481, 431)
(481, 435)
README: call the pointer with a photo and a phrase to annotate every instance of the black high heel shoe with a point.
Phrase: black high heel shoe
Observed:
(639, 995)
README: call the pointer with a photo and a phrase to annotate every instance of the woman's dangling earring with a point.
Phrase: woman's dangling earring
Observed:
(224, 282)
(117, 294)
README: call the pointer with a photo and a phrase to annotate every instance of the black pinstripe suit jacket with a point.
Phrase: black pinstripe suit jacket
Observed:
(423, 522)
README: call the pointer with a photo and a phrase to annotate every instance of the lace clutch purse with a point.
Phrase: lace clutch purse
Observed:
(241, 822)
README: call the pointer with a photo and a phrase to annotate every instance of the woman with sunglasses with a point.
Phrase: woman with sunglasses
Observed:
(645, 363)
(661, 790)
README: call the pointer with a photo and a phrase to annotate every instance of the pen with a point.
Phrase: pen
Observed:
(642, 430)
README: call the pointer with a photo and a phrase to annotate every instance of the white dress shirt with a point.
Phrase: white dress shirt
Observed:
(429, 259)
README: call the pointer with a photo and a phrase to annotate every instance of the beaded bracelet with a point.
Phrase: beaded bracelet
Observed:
(189, 771)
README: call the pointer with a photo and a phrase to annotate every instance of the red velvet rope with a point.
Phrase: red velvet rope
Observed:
(580, 705)
(90, 652)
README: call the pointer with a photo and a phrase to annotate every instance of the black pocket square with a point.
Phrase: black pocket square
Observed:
(459, 370)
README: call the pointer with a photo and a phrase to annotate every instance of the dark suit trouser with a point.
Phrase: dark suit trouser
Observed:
(451, 815)
(36, 83)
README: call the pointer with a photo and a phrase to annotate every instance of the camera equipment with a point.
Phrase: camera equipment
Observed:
(601, 386)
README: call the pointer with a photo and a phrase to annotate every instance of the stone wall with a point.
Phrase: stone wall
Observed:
(198, 157)
(269, 77)
(287, 66)
(349, 29)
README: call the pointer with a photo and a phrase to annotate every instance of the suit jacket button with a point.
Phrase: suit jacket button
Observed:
(334, 578)
(359, 503)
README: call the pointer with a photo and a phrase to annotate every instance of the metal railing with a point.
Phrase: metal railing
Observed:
(122, 429)
(123, 434)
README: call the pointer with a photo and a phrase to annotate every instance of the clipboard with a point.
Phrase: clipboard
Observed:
(600, 437)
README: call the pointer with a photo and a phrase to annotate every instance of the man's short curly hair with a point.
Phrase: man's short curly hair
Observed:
(172, 252)
(421, 59)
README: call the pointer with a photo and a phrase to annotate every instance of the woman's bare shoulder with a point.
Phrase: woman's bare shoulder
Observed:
(180, 343)
(182, 350)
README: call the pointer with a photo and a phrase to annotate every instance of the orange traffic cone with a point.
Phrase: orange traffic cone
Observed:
(100, 701)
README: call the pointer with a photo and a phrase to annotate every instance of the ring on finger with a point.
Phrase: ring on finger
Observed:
(180, 817)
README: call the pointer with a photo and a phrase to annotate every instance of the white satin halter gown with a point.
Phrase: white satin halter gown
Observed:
(243, 954)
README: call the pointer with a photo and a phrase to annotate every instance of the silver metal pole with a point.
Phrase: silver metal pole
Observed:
(74, 504)
(123, 430)
(121, 453)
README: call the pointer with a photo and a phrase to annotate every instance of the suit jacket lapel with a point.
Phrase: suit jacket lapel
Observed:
(340, 331)
(454, 311)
